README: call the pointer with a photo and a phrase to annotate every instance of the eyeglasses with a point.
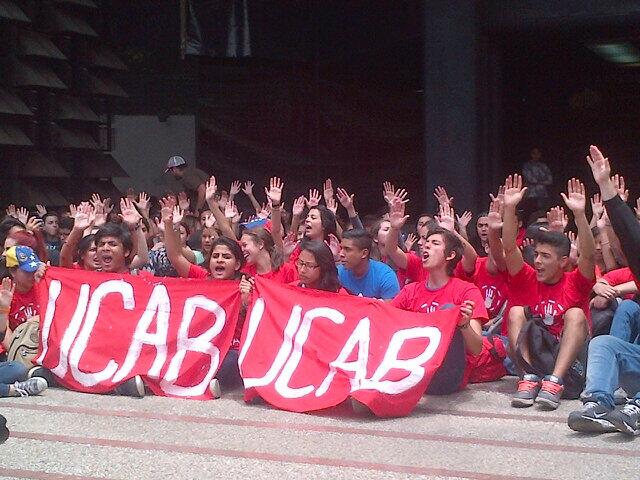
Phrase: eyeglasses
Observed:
(302, 264)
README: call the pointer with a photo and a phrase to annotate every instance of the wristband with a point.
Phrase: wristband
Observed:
(4, 310)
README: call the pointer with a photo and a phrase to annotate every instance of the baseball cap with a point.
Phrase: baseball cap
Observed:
(175, 161)
(22, 257)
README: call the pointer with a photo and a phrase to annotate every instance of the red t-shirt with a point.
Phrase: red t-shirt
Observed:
(416, 297)
(494, 288)
(287, 273)
(23, 307)
(550, 301)
(196, 271)
(618, 277)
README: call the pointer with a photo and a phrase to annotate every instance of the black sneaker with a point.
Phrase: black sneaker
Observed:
(626, 419)
(591, 419)
(4, 431)
(134, 387)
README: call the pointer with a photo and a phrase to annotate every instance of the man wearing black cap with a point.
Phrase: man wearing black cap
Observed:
(192, 179)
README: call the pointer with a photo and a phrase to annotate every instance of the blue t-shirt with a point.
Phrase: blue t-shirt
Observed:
(379, 281)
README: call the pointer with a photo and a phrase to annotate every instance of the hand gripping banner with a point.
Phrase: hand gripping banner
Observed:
(99, 329)
(304, 350)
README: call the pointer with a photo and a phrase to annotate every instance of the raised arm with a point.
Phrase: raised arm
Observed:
(576, 200)
(397, 219)
(495, 242)
(624, 223)
(346, 201)
(172, 241)
(274, 194)
(513, 194)
(248, 191)
(446, 220)
(221, 220)
(81, 222)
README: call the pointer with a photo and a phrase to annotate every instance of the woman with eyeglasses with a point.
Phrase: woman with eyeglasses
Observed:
(316, 268)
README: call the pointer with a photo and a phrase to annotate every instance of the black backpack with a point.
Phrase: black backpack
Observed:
(543, 350)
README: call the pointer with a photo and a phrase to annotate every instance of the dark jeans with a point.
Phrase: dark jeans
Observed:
(229, 372)
(448, 377)
(11, 372)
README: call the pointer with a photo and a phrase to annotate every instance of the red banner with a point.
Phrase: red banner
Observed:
(100, 329)
(309, 350)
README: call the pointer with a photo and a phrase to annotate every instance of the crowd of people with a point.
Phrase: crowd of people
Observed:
(557, 290)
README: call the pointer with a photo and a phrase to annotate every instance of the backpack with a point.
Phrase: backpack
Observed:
(25, 341)
(488, 365)
(543, 349)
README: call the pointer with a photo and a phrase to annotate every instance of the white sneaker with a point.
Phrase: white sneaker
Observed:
(33, 386)
(214, 388)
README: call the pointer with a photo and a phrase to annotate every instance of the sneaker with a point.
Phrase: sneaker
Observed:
(134, 387)
(620, 397)
(626, 419)
(528, 389)
(549, 396)
(214, 388)
(32, 386)
(591, 419)
(4, 431)
(42, 373)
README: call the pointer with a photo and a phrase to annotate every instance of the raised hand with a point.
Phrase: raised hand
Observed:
(224, 198)
(234, 189)
(334, 246)
(446, 217)
(143, 204)
(274, 192)
(209, 220)
(513, 190)
(327, 190)
(128, 213)
(576, 197)
(84, 215)
(210, 189)
(298, 206)
(464, 220)
(264, 212)
(557, 219)
(332, 205)
(166, 211)
(314, 198)
(344, 198)
(411, 240)
(34, 224)
(442, 196)
(387, 191)
(499, 196)
(248, 188)
(7, 289)
(23, 215)
(397, 218)
(183, 201)
(289, 244)
(618, 182)
(596, 206)
(41, 210)
(495, 214)
(11, 211)
(178, 214)
(230, 210)
(600, 167)
(72, 210)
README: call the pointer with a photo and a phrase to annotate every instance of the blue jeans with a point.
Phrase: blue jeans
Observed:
(11, 372)
(229, 373)
(613, 363)
(626, 322)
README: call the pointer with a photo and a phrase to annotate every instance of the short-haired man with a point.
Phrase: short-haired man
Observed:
(359, 274)
(549, 291)
(193, 180)
(441, 252)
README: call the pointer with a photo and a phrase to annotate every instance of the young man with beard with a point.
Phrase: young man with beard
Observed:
(193, 180)
(549, 291)
(441, 252)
